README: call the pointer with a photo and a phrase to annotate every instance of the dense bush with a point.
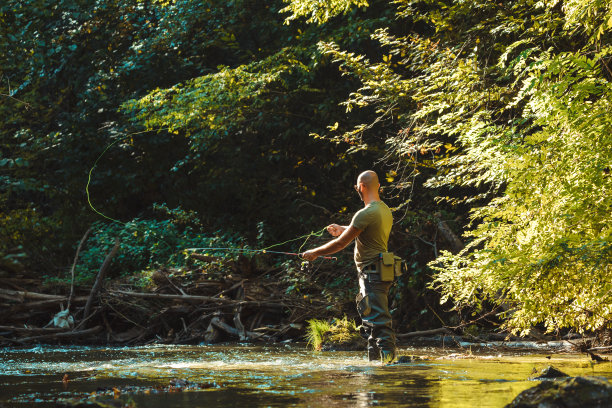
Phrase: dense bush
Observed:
(147, 243)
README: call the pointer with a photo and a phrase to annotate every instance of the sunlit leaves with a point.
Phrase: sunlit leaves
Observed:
(213, 105)
(593, 17)
(318, 11)
(545, 246)
(510, 103)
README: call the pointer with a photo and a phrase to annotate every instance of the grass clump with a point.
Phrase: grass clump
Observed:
(339, 334)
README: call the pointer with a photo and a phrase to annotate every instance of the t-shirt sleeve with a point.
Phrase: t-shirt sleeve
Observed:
(361, 219)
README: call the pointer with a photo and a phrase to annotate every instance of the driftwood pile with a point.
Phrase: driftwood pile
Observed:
(240, 301)
(213, 300)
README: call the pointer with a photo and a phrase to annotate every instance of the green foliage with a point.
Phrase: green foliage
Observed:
(315, 332)
(247, 124)
(546, 244)
(16, 228)
(295, 277)
(146, 243)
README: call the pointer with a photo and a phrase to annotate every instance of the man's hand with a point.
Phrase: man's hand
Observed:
(335, 230)
(309, 255)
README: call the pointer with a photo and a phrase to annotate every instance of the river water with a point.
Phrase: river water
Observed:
(272, 376)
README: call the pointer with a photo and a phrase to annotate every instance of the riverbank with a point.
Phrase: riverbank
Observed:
(224, 300)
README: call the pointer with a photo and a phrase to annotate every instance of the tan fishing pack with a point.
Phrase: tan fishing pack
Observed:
(389, 266)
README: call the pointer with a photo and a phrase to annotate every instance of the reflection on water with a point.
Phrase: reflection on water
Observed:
(278, 376)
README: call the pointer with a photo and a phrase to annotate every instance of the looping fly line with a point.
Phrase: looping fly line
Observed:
(305, 237)
(95, 164)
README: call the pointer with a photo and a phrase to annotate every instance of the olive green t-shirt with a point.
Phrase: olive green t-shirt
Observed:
(375, 221)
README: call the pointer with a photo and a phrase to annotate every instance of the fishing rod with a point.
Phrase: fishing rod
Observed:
(263, 251)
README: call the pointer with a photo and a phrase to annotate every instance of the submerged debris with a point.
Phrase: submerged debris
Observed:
(109, 397)
(407, 360)
(548, 373)
(94, 403)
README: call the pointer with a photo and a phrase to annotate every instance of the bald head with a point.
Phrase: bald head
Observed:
(370, 179)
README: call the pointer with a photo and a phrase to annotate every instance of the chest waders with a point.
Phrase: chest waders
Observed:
(373, 307)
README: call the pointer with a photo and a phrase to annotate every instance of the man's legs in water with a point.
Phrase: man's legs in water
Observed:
(376, 319)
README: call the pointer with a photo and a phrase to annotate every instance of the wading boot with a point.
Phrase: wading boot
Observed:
(373, 353)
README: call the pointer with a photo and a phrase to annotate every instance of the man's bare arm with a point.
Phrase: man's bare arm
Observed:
(333, 246)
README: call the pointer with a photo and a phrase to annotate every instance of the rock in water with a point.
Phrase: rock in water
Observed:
(548, 373)
(572, 392)
(405, 360)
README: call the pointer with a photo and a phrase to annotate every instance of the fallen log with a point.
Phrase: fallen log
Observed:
(128, 335)
(4, 340)
(100, 278)
(20, 296)
(207, 284)
(241, 283)
(24, 316)
(32, 330)
(605, 348)
(441, 330)
(76, 258)
(22, 281)
(235, 332)
(237, 322)
(197, 298)
(61, 335)
(44, 303)
(211, 335)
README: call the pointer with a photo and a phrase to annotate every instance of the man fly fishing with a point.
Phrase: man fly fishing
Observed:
(370, 228)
